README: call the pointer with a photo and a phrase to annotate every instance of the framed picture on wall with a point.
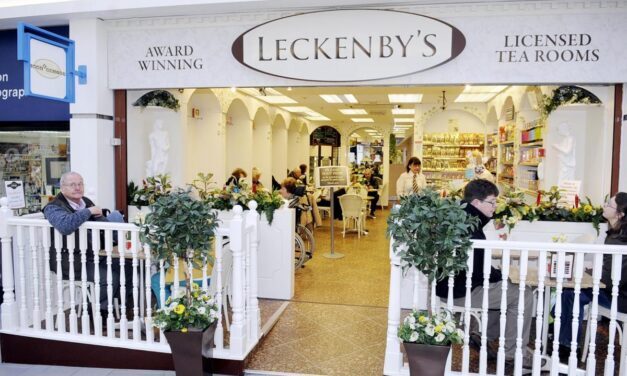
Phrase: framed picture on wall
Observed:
(55, 167)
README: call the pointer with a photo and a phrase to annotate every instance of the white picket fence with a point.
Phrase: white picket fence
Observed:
(40, 303)
(525, 258)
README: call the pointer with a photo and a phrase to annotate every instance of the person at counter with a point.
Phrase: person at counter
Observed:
(373, 184)
(412, 180)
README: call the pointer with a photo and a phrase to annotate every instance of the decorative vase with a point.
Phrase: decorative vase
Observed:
(187, 349)
(426, 360)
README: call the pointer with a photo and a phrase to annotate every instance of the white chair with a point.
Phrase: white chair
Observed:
(621, 319)
(326, 210)
(352, 209)
(381, 191)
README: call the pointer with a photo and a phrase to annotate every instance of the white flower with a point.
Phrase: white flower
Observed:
(449, 327)
(440, 337)
(172, 306)
(202, 310)
(430, 330)
(410, 319)
(180, 293)
(412, 326)
(413, 337)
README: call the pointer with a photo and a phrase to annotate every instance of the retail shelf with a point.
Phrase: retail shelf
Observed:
(534, 127)
(535, 144)
(507, 143)
(443, 158)
(506, 176)
(449, 145)
(508, 163)
(529, 164)
(447, 170)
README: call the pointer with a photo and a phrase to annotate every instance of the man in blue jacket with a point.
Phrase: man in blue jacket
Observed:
(480, 199)
(66, 213)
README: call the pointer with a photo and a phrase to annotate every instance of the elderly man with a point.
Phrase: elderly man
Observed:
(66, 213)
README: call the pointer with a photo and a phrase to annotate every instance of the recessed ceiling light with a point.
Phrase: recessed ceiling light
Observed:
(342, 98)
(354, 111)
(403, 120)
(405, 98)
(297, 109)
(276, 99)
(403, 111)
(362, 120)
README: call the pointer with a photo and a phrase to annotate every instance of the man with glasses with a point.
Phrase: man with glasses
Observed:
(66, 213)
(480, 199)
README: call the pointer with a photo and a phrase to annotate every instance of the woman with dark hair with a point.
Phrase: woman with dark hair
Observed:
(411, 181)
(615, 211)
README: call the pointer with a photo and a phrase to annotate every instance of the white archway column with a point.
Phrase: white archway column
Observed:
(91, 125)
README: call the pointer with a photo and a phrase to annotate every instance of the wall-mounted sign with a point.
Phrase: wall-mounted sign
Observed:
(14, 105)
(15, 194)
(48, 60)
(348, 45)
(331, 177)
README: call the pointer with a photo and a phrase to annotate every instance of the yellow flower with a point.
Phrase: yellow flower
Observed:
(422, 319)
(587, 208)
(184, 330)
(179, 309)
(195, 286)
(195, 294)
(439, 328)
(575, 210)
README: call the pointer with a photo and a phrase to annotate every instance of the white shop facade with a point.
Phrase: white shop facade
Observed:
(199, 58)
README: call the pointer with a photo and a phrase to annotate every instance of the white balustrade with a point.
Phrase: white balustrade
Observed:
(525, 264)
(43, 303)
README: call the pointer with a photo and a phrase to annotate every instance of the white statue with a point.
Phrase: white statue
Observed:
(159, 140)
(566, 153)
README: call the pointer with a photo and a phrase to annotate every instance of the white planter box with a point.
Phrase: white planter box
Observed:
(275, 274)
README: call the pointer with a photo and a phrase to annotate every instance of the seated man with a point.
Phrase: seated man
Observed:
(480, 198)
(66, 213)
(373, 184)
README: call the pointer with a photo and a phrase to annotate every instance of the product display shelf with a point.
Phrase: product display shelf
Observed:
(27, 169)
(531, 153)
(444, 157)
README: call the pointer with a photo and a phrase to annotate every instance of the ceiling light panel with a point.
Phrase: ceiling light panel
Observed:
(403, 111)
(405, 98)
(276, 99)
(342, 98)
(354, 111)
(298, 109)
(317, 118)
(469, 89)
(403, 120)
(362, 120)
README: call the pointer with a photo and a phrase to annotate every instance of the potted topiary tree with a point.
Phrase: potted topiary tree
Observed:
(179, 225)
(432, 234)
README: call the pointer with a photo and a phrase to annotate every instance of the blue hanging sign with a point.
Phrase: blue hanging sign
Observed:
(48, 62)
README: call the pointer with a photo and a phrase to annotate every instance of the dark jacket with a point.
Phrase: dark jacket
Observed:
(459, 287)
(614, 237)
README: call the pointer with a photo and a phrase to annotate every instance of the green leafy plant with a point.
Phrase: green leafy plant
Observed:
(152, 188)
(432, 234)
(267, 203)
(182, 226)
(159, 98)
(202, 184)
(511, 208)
(565, 95)
(179, 313)
(437, 329)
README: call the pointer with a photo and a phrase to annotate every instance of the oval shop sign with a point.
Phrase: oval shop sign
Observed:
(348, 45)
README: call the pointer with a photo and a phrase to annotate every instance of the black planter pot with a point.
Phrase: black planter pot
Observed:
(426, 360)
(187, 349)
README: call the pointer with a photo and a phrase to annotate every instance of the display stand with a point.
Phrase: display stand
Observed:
(331, 177)
(332, 254)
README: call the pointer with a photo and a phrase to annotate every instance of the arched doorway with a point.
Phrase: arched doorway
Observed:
(262, 146)
(238, 138)
(203, 129)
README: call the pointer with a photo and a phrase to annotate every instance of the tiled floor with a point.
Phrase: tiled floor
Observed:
(336, 324)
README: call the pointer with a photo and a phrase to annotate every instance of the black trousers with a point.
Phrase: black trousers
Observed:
(374, 201)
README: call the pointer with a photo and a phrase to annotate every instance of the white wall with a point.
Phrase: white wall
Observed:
(441, 122)
(239, 138)
(206, 146)
(262, 146)
(279, 148)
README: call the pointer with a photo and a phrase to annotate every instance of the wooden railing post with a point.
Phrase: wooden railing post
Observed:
(9, 305)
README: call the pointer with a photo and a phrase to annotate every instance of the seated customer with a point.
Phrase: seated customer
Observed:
(615, 211)
(480, 199)
(66, 213)
(235, 179)
(373, 184)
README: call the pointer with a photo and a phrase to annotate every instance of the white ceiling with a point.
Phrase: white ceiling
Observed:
(373, 99)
